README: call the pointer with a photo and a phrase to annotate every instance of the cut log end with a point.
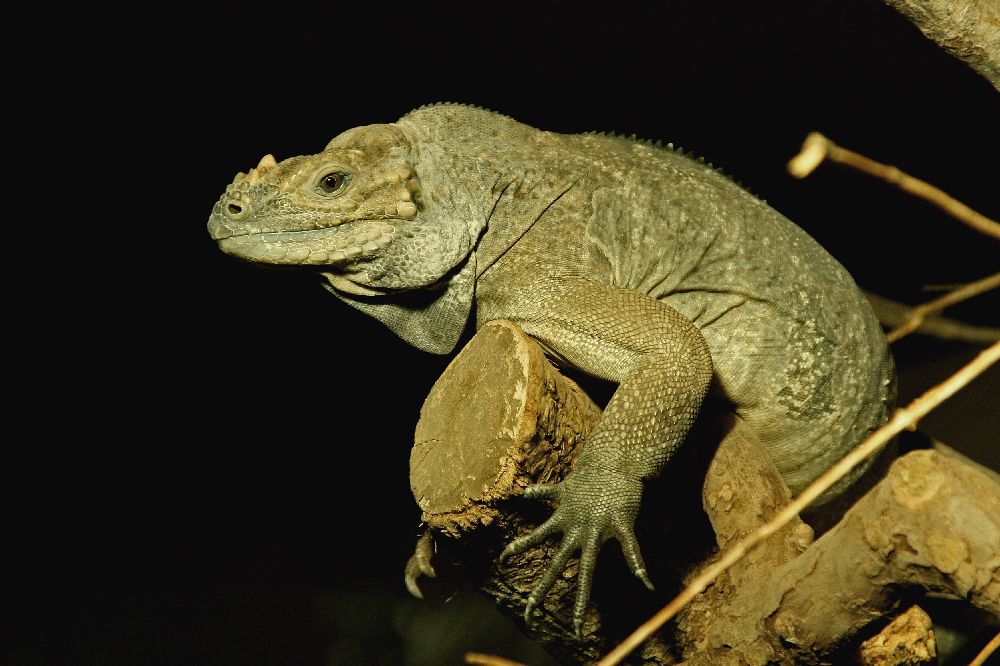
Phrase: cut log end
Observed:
(498, 419)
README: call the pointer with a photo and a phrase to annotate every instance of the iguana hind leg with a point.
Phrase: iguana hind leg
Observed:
(663, 368)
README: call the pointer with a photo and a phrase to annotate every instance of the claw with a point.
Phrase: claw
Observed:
(410, 580)
(641, 575)
(630, 549)
(419, 563)
(423, 553)
(427, 570)
(528, 607)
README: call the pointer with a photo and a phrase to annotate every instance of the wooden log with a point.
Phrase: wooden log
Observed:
(501, 418)
(932, 523)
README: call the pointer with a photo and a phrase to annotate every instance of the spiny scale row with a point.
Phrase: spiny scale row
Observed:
(462, 104)
(614, 135)
(670, 146)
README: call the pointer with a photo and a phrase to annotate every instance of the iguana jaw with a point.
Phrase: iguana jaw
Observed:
(335, 245)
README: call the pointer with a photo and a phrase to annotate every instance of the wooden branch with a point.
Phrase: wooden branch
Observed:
(489, 660)
(921, 312)
(933, 522)
(987, 650)
(817, 147)
(967, 29)
(892, 314)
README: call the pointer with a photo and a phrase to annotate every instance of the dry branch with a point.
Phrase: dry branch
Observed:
(817, 147)
(921, 312)
(489, 660)
(933, 522)
(987, 650)
(892, 314)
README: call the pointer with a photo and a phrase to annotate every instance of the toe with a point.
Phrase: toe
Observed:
(588, 559)
(630, 549)
(419, 564)
(552, 572)
(543, 491)
(423, 553)
(543, 532)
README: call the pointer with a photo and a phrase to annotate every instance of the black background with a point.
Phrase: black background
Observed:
(234, 486)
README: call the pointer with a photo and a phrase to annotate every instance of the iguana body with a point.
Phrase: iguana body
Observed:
(631, 262)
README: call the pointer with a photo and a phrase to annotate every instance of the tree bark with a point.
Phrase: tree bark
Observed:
(501, 417)
(967, 29)
(909, 639)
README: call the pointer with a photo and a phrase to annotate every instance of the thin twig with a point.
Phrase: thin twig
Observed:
(921, 312)
(902, 419)
(985, 653)
(892, 313)
(489, 660)
(938, 288)
(817, 147)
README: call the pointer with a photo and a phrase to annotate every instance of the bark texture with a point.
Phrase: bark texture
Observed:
(967, 29)
(909, 639)
(501, 417)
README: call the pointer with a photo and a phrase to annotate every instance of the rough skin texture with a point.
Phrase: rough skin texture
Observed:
(630, 262)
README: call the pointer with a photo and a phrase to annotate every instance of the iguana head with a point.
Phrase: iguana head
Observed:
(355, 212)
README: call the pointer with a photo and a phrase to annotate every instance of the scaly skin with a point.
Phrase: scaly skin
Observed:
(630, 262)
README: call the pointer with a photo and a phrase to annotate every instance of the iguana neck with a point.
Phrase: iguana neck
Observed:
(480, 172)
(478, 197)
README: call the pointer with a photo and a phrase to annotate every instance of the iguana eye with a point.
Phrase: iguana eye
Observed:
(332, 182)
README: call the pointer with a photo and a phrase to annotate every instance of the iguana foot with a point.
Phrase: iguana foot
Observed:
(595, 504)
(420, 563)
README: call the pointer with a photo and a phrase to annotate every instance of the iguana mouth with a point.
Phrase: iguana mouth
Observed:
(222, 226)
(339, 244)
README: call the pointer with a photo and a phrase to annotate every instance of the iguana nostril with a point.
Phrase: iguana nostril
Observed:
(235, 210)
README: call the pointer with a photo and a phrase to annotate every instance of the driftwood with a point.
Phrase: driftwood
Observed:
(501, 417)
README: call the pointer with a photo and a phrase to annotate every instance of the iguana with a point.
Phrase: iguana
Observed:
(625, 260)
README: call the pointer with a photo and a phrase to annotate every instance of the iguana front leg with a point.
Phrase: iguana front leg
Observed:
(663, 368)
